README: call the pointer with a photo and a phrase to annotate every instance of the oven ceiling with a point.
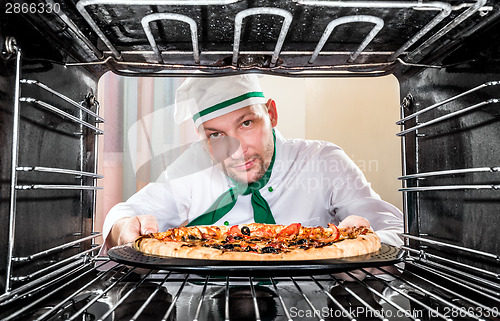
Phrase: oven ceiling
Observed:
(301, 37)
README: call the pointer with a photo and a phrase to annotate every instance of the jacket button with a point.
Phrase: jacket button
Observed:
(270, 189)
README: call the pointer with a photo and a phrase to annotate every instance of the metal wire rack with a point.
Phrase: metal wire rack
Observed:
(430, 286)
(418, 126)
(423, 290)
(433, 121)
(41, 274)
(146, 57)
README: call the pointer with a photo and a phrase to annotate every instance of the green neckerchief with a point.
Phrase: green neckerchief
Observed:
(261, 210)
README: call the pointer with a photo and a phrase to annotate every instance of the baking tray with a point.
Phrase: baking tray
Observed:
(126, 254)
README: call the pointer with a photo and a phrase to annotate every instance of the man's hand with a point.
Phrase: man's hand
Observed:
(354, 220)
(128, 229)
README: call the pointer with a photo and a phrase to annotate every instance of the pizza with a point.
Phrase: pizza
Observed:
(260, 242)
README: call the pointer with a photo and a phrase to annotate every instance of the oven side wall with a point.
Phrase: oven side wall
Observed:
(464, 217)
(44, 218)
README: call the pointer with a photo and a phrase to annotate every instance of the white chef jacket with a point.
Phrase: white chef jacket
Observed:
(312, 182)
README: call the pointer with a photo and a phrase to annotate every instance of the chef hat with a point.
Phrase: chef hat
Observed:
(207, 98)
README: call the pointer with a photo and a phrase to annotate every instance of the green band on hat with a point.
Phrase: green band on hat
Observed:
(227, 103)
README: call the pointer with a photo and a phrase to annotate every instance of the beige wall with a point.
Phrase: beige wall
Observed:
(358, 114)
(290, 97)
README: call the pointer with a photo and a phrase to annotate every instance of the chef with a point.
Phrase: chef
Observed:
(242, 170)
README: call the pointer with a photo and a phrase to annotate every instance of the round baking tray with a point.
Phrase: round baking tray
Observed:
(126, 254)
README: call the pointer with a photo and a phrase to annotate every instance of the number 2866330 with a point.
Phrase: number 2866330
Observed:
(33, 8)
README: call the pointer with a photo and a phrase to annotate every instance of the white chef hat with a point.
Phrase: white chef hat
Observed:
(207, 98)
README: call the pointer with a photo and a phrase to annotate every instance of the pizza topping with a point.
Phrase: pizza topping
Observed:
(331, 234)
(353, 232)
(260, 238)
(228, 246)
(231, 238)
(245, 230)
(270, 249)
(299, 242)
(264, 242)
(264, 232)
(290, 231)
(235, 231)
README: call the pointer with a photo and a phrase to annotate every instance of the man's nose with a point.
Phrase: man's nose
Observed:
(227, 147)
(238, 153)
(241, 148)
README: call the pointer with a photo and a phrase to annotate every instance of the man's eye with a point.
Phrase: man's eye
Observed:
(247, 123)
(214, 135)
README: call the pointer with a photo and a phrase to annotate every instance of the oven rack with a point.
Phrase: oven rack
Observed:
(424, 255)
(61, 113)
(452, 172)
(49, 270)
(494, 257)
(55, 249)
(431, 252)
(417, 176)
(63, 97)
(418, 291)
(495, 169)
(441, 103)
(407, 102)
(424, 244)
(42, 272)
(151, 60)
(449, 115)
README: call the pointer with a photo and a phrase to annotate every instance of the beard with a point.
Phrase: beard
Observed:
(258, 169)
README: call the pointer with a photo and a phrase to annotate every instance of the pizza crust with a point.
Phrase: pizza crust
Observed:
(363, 244)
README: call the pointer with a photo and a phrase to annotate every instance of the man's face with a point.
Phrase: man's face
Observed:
(241, 142)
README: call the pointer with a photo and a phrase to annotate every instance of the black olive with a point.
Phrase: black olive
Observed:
(249, 249)
(299, 242)
(269, 249)
(245, 230)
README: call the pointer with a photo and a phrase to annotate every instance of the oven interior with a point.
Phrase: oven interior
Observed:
(445, 56)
